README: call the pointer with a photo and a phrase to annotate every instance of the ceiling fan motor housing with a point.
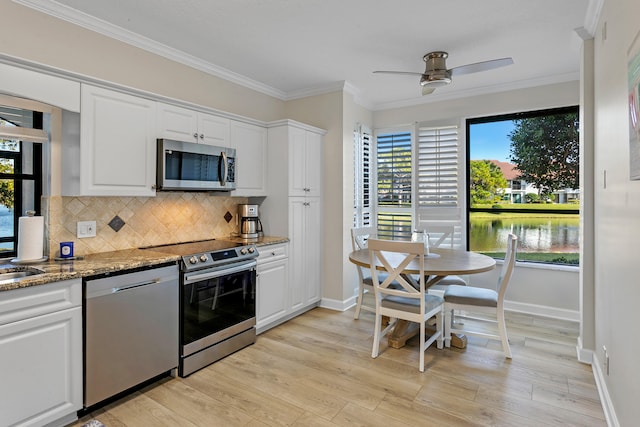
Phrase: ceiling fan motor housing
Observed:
(436, 73)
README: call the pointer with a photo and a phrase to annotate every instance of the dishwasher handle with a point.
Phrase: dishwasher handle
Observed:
(135, 285)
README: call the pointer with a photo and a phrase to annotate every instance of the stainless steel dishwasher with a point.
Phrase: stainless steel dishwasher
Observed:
(131, 330)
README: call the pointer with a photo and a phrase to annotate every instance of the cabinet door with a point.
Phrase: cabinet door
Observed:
(313, 163)
(297, 162)
(41, 368)
(117, 144)
(177, 123)
(313, 249)
(273, 279)
(250, 142)
(297, 268)
(213, 130)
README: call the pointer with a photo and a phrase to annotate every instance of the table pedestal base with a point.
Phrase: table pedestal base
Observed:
(405, 330)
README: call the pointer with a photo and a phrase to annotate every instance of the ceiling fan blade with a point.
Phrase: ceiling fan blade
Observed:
(427, 90)
(481, 66)
(407, 73)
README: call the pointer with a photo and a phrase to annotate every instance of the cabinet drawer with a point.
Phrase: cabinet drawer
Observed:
(272, 253)
(19, 304)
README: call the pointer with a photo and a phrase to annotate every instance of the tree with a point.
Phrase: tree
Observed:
(487, 181)
(6, 185)
(546, 150)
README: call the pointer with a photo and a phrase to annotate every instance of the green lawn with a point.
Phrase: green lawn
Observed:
(531, 206)
(549, 258)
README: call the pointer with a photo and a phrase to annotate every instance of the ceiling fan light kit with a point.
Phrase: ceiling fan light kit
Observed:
(436, 73)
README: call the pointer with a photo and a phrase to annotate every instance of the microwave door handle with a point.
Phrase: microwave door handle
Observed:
(223, 181)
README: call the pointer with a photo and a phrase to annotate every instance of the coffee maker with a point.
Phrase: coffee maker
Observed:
(250, 225)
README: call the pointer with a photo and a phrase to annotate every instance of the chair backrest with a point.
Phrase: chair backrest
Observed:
(360, 236)
(507, 266)
(439, 234)
(394, 256)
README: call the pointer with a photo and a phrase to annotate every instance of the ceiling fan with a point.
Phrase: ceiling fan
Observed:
(436, 73)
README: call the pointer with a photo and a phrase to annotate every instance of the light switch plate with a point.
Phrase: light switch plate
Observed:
(86, 229)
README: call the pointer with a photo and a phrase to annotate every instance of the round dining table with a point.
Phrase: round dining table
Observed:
(439, 264)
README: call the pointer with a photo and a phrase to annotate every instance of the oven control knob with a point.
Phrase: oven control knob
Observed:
(203, 258)
(193, 260)
(243, 251)
(252, 250)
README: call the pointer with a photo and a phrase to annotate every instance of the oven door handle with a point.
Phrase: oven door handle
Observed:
(218, 272)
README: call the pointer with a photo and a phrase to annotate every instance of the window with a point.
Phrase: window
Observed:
(394, 177)
(523, 172)
(362, 177)
(20, 175)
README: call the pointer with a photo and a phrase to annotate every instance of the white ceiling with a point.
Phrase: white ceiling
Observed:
(290, 48)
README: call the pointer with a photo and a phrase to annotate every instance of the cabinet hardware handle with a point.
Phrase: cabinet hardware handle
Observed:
(202, 136)
(195, 134)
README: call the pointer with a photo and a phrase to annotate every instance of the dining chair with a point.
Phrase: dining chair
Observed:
(359, 238)
(408, 300)
(471, 299)
(439, 236)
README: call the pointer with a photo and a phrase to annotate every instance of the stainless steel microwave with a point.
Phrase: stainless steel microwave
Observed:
(189, 166)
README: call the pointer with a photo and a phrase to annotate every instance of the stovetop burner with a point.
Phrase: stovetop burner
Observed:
(207, 253)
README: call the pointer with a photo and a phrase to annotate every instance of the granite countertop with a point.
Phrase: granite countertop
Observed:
(100, 263)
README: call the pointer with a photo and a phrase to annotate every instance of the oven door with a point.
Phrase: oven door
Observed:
(217, 303)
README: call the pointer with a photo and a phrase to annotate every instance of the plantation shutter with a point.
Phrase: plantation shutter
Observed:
(362, 177)
(394, 183)
(440, 179)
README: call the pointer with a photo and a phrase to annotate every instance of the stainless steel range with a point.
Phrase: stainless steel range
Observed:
(217, 300)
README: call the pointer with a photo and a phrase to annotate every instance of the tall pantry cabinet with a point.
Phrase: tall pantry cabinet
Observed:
(293, 207)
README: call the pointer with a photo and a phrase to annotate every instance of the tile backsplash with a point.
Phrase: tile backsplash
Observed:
(169, 217)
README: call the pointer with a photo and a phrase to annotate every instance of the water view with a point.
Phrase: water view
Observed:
(554, 236)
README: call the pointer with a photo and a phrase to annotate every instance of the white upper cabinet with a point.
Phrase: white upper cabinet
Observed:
(305, 152)
(182, 124)
(213, 130)
(117, 144)
(250, 142)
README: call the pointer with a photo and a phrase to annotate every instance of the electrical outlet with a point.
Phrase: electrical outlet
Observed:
(86, 229)
(605, 360)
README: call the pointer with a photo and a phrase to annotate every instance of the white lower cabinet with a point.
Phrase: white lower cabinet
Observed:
(41, 354)
(272, 286)
(306, 242)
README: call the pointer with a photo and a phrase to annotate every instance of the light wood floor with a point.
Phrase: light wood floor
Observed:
(317, 370)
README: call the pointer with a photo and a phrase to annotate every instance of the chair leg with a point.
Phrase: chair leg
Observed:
(422, 344)
(376, 336)
(439, 329)
(447, 327)
(356, 316)
(502, 328)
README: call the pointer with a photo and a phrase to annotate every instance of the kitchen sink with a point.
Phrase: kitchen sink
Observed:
(14, 274)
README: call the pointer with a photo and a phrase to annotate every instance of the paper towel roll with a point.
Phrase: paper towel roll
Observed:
(30, 238)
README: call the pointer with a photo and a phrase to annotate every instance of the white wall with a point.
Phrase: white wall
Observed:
(534, 290)
(617, 213)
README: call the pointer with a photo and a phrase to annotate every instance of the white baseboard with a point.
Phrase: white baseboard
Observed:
(337, 305)
(584, 355)
(539, 310)
(543, 310)
(605, 398)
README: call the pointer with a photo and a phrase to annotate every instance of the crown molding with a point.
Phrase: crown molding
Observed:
(594, 10)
